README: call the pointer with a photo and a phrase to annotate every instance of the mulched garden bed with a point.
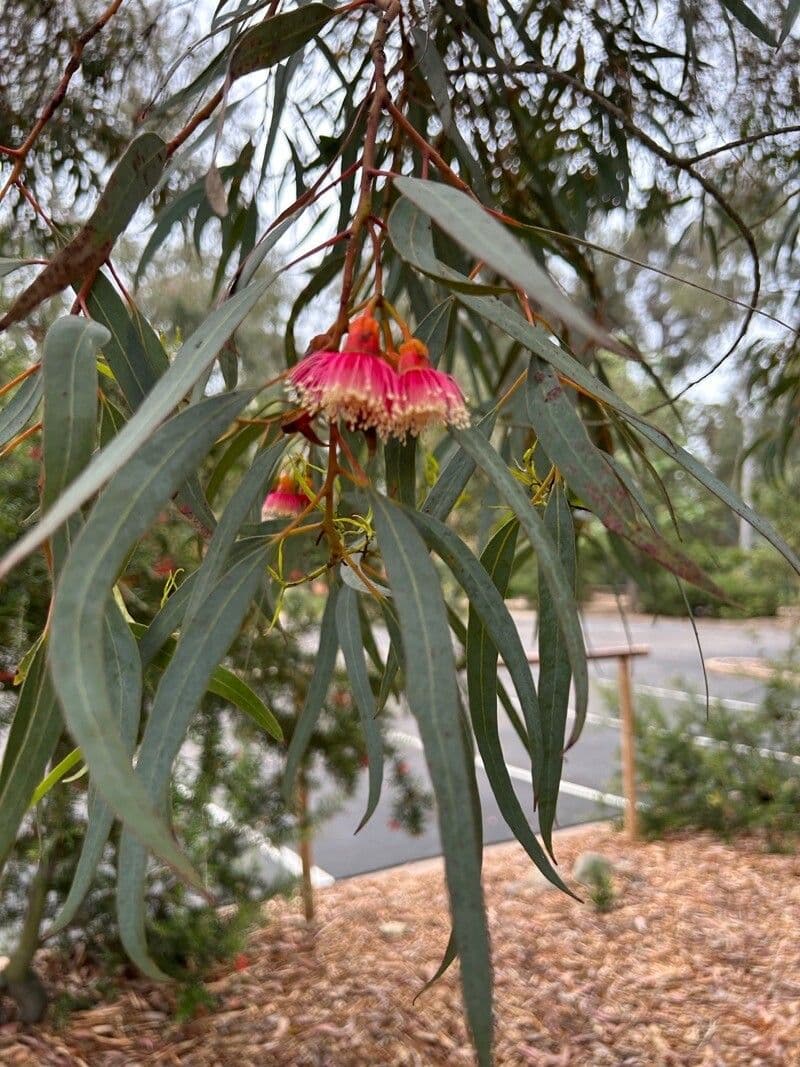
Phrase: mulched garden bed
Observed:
(698, 963)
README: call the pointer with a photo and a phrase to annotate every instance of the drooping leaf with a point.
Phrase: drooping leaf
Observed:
(455, 476)
(408, 225)
(194, 357)
(306, 722)
(124, 677)
(123, 513)
(585, 469)
(133, 178)
(32, 739)
(432, 693)
(133, 350)
(348, 626)
(491, 630)
(225, 684)
(250, 492)
(789, 19)
(488, 604)
(200, 648)
(53, 777)
(563, 600)
(554, 669)
(69, 376)
(20, 409)
(745, 15)
(277, 38)
(471, 226)
(536, 340)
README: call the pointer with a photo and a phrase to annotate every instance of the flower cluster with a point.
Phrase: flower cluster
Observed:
(361, 387)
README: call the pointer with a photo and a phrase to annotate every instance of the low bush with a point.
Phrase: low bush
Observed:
(727, 783)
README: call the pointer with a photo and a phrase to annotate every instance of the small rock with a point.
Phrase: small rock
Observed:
(393, 930)
(640, 924)
(591, 868)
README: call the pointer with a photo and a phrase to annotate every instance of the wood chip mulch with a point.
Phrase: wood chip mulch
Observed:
(697, 963)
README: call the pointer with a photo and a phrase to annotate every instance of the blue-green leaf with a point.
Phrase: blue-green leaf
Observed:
(20, 409)
(491, 630)
(563, 600)
(348, 625)
(124, 675)
(69, 373)
(468, 223)
(554, 669)
(122, 514)
(432, 693)
(31, 742)
(194, 357)
(277, 38)
(306, 722)
(183, 683)
(564, 438)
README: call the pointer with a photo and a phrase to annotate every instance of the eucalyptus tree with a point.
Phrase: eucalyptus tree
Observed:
(433, 179)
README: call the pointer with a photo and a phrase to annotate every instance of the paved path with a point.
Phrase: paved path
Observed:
(670, 672)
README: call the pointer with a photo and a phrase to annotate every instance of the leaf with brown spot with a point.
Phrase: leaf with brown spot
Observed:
(133, 178)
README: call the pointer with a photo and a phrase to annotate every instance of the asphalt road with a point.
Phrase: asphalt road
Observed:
(670, 672)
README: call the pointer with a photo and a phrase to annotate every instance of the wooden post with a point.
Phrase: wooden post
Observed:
(628, 746)
(304, 848)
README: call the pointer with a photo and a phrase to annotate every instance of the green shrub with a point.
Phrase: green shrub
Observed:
(754, 586)
(725, 784)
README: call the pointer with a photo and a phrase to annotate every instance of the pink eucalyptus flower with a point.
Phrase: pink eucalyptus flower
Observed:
(427, 396)
(285, 501)
(355, 385)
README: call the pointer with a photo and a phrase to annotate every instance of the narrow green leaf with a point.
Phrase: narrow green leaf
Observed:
(537, 341)
(789, 19)
(563, 600)
(491, 630)
(750, 20)
(72, 759)
(185, 680)
(225, 684)
(471, 226)
(250, 492)
(348, 627)
(411, 234)
(69, 375)
(315, 697)
(239, 444)
(194, 357)
(20, 409)
(455, 476)
(124, 677)
(414, 239)
(488, 604)
(34, 733)
(432, 693)
(137, 359)
(563, 436)
(554, 669)
(130, 503)
(277, 38)
(133, 350)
